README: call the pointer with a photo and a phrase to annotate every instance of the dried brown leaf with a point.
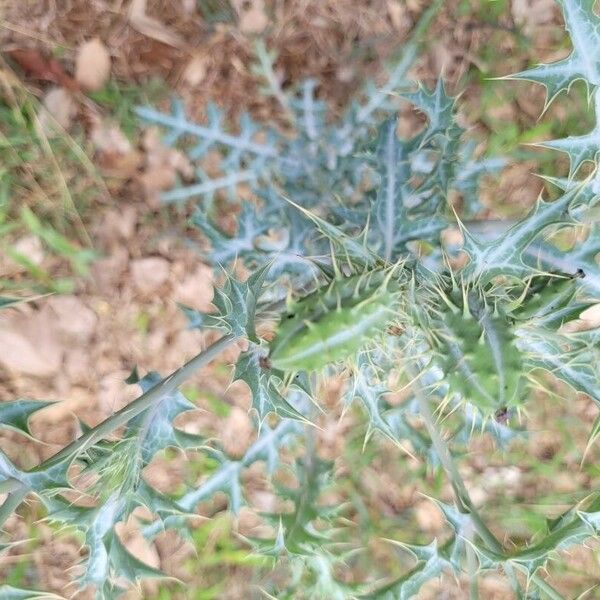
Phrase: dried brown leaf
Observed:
(58, 109)
(92, 65)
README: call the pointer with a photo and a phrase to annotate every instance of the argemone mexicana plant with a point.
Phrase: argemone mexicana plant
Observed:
(355, 282)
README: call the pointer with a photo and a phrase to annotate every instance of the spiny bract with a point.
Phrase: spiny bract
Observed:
(476, 347)
(335, 321)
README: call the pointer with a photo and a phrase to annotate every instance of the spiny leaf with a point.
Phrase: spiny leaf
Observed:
(573, 527)
(547, 257)
(235, 303)
(8, 592)
(130, 567)
(583, 62)
(437, 105)
(297, 533)
(431, 563)
(16, 413)
(154, 430)
(46, 479)
(391, 221)
(579, 369)
(353, 248)
(227, 477)
(266, 398)
(504, 256)
(227, 248)
(580, 148)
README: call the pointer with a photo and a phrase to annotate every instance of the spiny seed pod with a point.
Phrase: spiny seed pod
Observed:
(477, 351)
(334, 322)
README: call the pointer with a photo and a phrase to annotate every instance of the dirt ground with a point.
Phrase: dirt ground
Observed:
(80, 347)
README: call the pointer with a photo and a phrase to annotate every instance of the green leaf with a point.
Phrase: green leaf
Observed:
(227, 477)
(266, 398)
(8, 592)
(236, 305)
(504, 256)
(153, 429)
(391, 222)
(579, 369)
(51, 477)
(5, 301)
(15, 414)
(584, 61)
(431, 562)
(580, 148)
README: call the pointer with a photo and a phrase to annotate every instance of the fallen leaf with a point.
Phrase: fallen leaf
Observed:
(196, 289)
(398, 15)
(92, 65)
(108, 137)
(236, 432)
(31, 247)
(429, 516)
(252, 16)
(73, 318)
(30, 344)
(57, 111)
(149, 273)
(532, 13)
(37, 65)
(195, 71)
(150, 26)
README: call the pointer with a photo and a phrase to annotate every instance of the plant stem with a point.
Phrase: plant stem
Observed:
(17, 489)
(472, 565)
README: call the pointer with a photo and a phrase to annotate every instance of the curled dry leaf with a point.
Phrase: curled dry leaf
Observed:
(92, 65)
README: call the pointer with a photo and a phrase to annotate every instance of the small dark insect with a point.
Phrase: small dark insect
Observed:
(395, 330)
(580, 273)
(502, 415)
(264, 362)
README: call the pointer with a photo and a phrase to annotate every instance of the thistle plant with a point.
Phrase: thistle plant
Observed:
(349, 279)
